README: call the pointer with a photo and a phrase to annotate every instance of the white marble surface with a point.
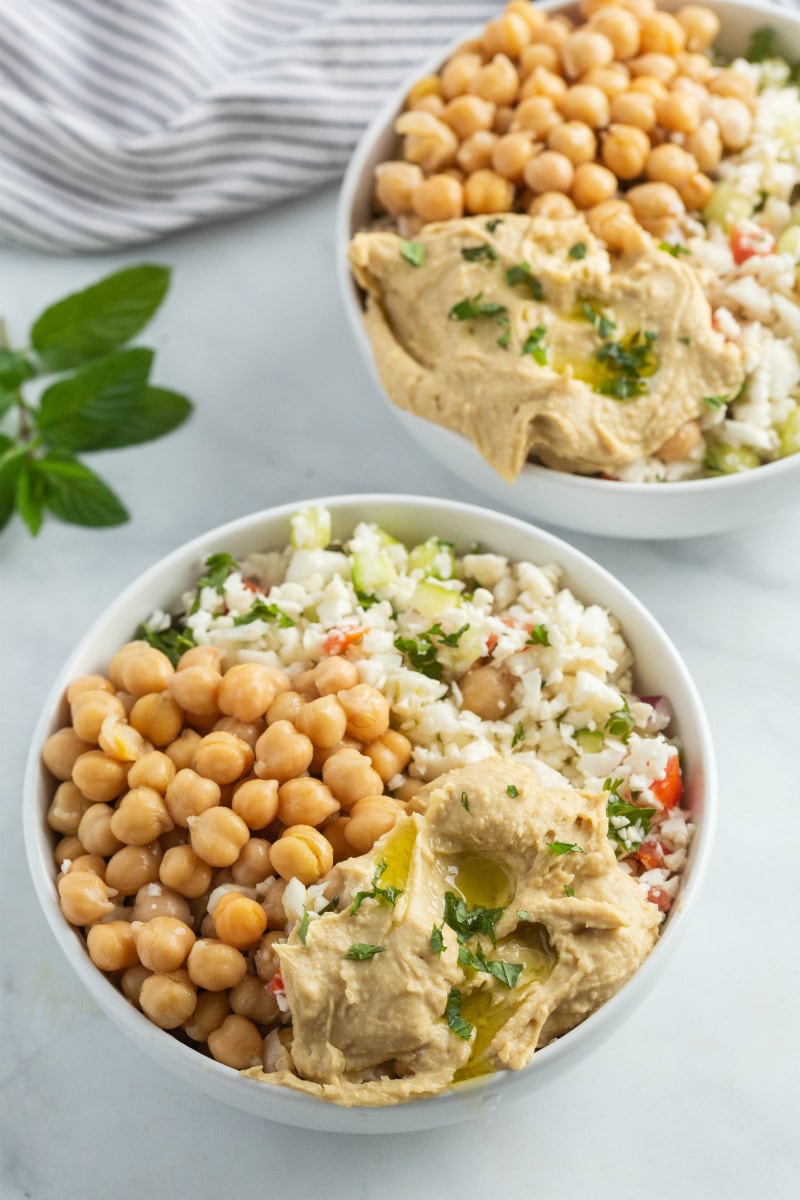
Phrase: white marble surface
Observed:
(698, 1096)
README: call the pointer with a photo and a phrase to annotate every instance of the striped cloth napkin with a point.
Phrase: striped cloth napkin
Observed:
(124, 120)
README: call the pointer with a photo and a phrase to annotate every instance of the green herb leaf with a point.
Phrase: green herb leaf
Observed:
(75, 494)
(261, 611)
(522, 274)
(578, 251)
(715, 403)
(452, 1014)
(480, 253)
(218, 568)
(28, 498)
(538, 636)
(613, 786)
(436, 940)
(634, 816)
(421, 654)
(384, 895)
(512, 791)
(92, 409)
(331, 906)
(763, 45)
(89, 324)
(12, 456)
(519, 735)
(604, 325)
(471, 308)
(674, 249)
(684, 340)
(414, 253)
(533, 345)
(302, 930)
(622, 388)
(465, 801)
(522, 914)
(620, 723)
(360, 951)
(505, 336)
(507, 973)
(564, 848)
(173, 641)
(466, 922)
(452, 639)
(492, 225)
(568, 891)
(15, 369)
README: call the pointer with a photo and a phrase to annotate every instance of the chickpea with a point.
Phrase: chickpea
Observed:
(427, 141)
(474, 154)
(153, 900)
(679, 112)
(141, 816)
(549, 172)
(660, 67)
(508, 34)
(222, 757)
(575, 141)
(67, 849)
(96, 830)
(700, 26)
(282, 753)
(367, 711)
(88, 683)
(115, 667)
(370, 819)
(661, 33)
(212, 1009)
(217, 836)
(552, 32)
(469, 114)
(154, 770)
(253, 864)
(334, 831)
(334, 674)
(487, 691)
(84, 897)
(634, 108)
(62, 750)
(734, 119)
(272, 903)
(239, 921)
(694, 66)
(132, 867)
(497, 81)
(121, 741)
(111, 946)
(305, 801)
(303, 852)
(613, 222)
(183, 871)
(582, 102)
(593, 184)
(537, 116)
(696, 191)
(168, 1000)
(277, 1054)
(132, 980)
(66, 808)
(93, 863)
(429, 85)
(555, 206)
(157, 717)
(458, 74)
(620, 27)
(237, 1043)
(625, 150)
(487, 192)
(181, 751)
(189, 794)
(201, 656)
(539, 55)
(196, 690)
(251, 999)
(584, 49)
(163, 943)
(511, 153)
(147, 671)
(389, 754)
(681, 443)
(350, 776)
(265, 960)
(671, 164)
(88, 711)
(503, 119)
(656, 206)
(394, 183)
(612, 81)
(256, 802)
(408, 789)
(215, 966)
(648, 85)
(706, 145)
(248, 689)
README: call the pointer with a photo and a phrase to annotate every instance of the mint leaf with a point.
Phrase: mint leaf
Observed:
(91, 409)
(28, 495)
(15, 368)
(89, 324)
(452, 1014)
(360, 951)
(12, 456)
(75, 494)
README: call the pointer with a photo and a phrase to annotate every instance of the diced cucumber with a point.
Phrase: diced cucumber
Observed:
(590, 740)
(728, 460)
(434, 558)
(789, 242)
(385, 538)
(372, 571)
(727, 206)
(430, 599)
(311, 528)
(790, 433)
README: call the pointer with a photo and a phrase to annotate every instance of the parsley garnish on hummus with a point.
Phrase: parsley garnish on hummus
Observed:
(465, 801)
(467, 922)
(522, 274)
(384, 895)
(414, 253)
(360, 951)
(565, 848)
(436, 940)
(302, 931)
(533, 345)
(512, 791)
(483, 252)
(452, 1014)
(519, 735)
(473, 307)
(578, 251)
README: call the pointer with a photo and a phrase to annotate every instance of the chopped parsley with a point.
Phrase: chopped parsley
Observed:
(519, 735)
(568, 891)
(512, 791)
(673, 248)
(448, 639)
(505, 336)
(261, 611)
(173, 642)
(715, 403)
(465, 802)
(466, 922)
(302, 931)
(522, 913)
(685, 340)
(578, 251)
(627, 362)
(360, 951)
(625, 819)
(421, 650)
(522, 274)
(471, 308)
(480, 253)
(491, 226)
(603, 324)
(507, 973)
(533, 345)
(436, 940)
(565, 848)
(621, 722)
(331, 906)
(384, 895)
(218, 568)
(762, 45)
(452, 1014)
(414, 253)
(538, 636)
(366, 599)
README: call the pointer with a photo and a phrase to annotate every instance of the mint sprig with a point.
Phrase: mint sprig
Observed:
(102, 400)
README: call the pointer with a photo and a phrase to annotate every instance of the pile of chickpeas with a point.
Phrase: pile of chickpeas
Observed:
(621, 117)
(187, 799)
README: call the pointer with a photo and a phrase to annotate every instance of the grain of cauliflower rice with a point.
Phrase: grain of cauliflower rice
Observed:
(309, 707)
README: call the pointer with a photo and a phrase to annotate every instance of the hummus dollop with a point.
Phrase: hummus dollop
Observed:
(483, 926)
(525, 335)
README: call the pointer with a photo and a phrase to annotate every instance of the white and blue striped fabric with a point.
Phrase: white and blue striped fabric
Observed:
(124, 120)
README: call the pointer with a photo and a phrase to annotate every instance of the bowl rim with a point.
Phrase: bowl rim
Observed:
(294, 1107)
(344, 230)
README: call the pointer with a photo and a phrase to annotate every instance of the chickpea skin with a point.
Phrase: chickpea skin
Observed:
(303, 852)
(584, 49)
(236, 1043)
(625, 150)
(66, 808)
(394, 184)
(217, 836)
(367, 711)
(634, 108)
(458, 73)
(253, 864)
(656, 206)
(536, 116)
(350, 776)
(282, 753)
(661, 33)
(620, 27)
(132, 867)
(89, 710)
(305, 801)
(487, 192)
(168, 1000)
(88, 683)
(157, 717)
(140, 817)
(215, 966)
(163, 943)
(146, 671)
(196, 690)
(112, 946)
(96, 830)
(62, 750)
(189, 794)
(575, 140)
(222, 757)
(185, 872)
(496, 81)
(212, 1009)
(682, 442)
(98, 776)
(239, 921)
(154, 769)
(153, 900)
(84, 897)
(549, 172)
(181, 751)
(671, 164)
(700, 26)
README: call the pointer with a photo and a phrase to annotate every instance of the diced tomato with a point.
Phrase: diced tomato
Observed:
(275, 986)
(491, 642)
(662, 900)
(669, 790)
(253, 587)
(651, 853)
(749, 240)
(338, 640)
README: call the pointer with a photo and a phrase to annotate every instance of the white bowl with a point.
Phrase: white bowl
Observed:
(630, 510)
(660, 670)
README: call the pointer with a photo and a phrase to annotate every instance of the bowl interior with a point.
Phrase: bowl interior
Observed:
(659, 670)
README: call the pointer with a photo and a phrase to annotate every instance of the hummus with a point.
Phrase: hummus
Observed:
(526, 336)
(484, 925)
